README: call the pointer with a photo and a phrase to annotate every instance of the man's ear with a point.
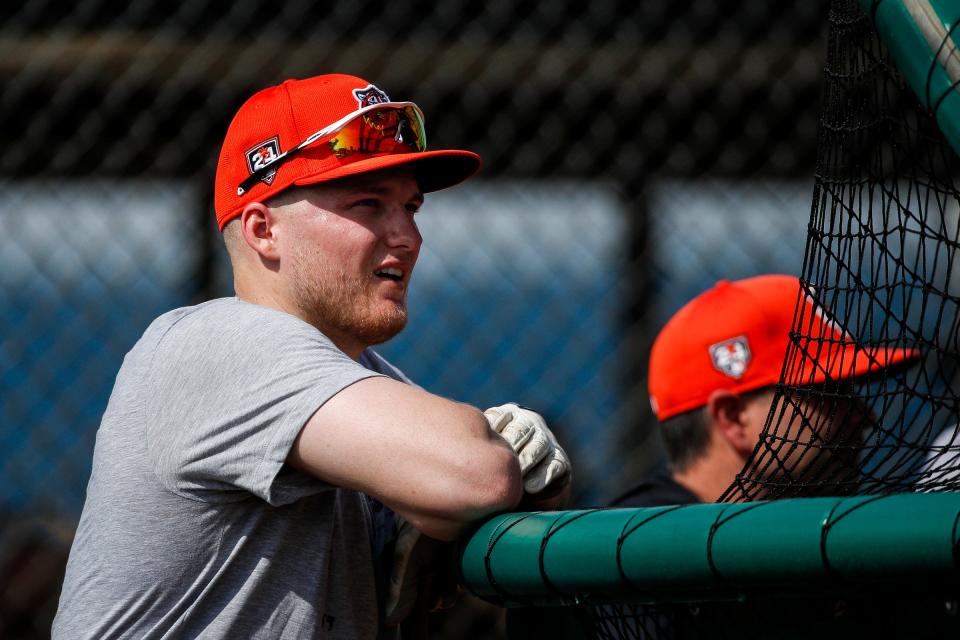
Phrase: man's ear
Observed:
(258, 226)
(727, 418)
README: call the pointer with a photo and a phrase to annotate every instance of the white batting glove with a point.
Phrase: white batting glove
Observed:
(542, 460)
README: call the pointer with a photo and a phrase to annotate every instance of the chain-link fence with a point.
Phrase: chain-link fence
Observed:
(635, 152)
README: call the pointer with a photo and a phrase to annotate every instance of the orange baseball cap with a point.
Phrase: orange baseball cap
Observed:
(303, 132)
(735, 336)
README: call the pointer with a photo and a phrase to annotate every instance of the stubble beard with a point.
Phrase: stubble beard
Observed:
(340, 305)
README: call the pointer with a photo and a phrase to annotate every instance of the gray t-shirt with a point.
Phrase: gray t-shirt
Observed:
(193, 526)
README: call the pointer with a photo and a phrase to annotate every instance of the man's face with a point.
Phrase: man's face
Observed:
(349, 248)
(813, 436)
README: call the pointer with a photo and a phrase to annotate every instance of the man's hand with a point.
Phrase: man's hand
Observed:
(543, 463)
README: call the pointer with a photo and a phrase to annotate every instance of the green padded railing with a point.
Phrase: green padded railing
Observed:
(710, 552)
(921, 36)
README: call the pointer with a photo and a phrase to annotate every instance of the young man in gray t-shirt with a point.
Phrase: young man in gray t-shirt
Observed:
(256, 457)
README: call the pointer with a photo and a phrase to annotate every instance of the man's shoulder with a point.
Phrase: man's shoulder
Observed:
(227, 336)
(227, 320)
(224, 312)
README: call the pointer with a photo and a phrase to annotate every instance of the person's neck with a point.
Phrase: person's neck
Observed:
(346, 344)
(263, 296)
(709, 476)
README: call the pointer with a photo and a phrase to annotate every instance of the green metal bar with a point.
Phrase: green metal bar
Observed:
(922, 37)
(710, 552)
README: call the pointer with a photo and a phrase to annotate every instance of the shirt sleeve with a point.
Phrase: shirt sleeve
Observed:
(231, 390)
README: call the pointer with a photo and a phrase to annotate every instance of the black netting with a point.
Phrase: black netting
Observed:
(880, 265)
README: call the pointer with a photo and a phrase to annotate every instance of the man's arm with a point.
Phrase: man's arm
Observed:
(435, 462)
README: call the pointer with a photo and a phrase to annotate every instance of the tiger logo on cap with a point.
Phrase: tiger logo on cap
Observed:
(370, 95)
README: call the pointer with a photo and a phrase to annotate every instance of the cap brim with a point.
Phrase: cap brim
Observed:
(434, 170)
(850, 362)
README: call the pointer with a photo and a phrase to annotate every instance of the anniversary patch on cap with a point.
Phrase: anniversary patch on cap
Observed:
(731, 357)
(262, 154)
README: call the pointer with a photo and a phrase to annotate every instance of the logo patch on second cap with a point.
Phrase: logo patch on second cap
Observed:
(260, 155)
(731, 357)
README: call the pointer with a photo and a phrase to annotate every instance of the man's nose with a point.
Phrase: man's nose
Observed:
(402, 230)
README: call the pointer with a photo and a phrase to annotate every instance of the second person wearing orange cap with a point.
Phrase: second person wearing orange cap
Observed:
(712, 375)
